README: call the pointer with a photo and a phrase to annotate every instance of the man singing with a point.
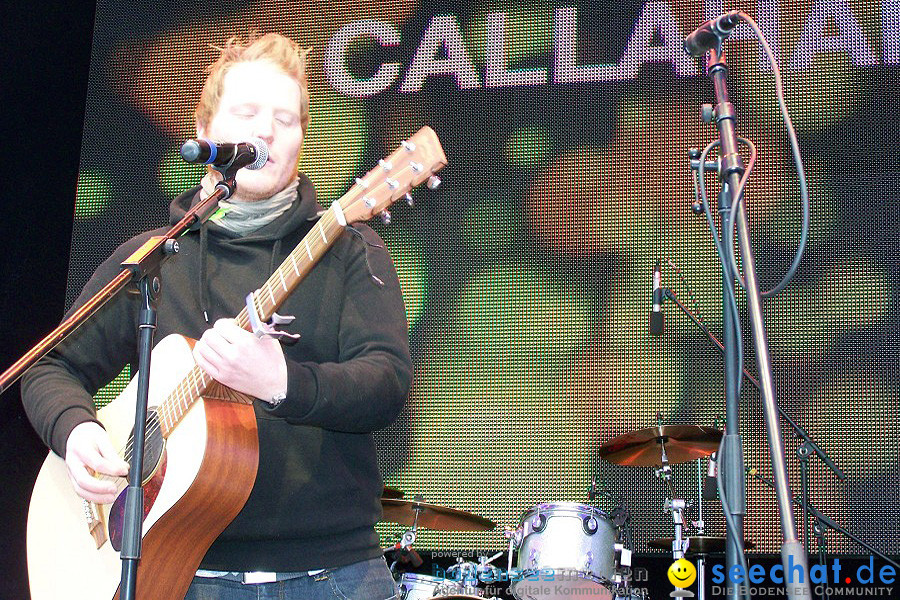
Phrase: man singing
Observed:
(306, 530)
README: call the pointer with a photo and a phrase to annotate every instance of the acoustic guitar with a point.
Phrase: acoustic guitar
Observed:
(201, 452)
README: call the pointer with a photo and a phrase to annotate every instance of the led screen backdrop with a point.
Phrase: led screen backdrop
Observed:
(526, 275)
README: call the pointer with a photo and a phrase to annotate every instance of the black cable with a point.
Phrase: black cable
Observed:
(732, 527)
(366, 245)
(730, 297)
(801, 174)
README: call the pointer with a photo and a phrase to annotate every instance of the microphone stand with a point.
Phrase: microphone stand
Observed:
(804, 451)
(819, 531)
(730, 174)
(145, 267)
(141, 269)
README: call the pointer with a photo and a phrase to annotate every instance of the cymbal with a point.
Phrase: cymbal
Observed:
(390, 492)
(433, 516)
(700, 544)
(641, 448)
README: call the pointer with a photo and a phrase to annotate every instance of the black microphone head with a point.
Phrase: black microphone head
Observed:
(712, 33)
(700, 42)
(725, 23)
(262, 153)
(710, 489)
(657, 322)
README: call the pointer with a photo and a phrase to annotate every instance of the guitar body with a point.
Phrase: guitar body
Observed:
(208, 469)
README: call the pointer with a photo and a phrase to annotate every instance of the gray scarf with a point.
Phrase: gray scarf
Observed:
(244, 218)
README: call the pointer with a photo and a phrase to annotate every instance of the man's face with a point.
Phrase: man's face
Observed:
(259, 100)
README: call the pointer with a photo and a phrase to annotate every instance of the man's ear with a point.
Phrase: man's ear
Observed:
(201, 132)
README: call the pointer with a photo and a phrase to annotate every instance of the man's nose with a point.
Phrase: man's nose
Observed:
(264, 127)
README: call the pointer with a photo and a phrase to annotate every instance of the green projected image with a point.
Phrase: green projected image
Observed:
(527, 273)
(93, 194)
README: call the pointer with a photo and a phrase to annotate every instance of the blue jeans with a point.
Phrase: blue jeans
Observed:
(365, 580)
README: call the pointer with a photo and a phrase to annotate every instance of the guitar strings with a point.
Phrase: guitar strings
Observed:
(127, 452)
(165, 410)
(197, 375)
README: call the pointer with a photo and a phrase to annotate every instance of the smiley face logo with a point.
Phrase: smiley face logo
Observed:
(682, 573)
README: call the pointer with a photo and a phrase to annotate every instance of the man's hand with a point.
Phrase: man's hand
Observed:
(89, 451)
(237, 358)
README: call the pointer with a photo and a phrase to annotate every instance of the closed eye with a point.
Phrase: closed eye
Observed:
(243, 111)
(287, 120)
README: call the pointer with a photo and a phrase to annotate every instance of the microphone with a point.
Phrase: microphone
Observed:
(709, 484)
(657, 319)
(252, 154)
(712, 33)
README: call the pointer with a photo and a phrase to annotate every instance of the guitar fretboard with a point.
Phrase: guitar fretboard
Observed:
(266, 300)
(412, 164)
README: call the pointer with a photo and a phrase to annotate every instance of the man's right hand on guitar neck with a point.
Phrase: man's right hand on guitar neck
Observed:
(89, 451)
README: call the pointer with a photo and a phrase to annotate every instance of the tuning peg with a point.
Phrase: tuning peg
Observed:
(416, 166)
(433, 182)
(369, 202)
(385, 217)
(387, 166)
(392, 183)
(361, 183)
(409, 146)
(409, 198)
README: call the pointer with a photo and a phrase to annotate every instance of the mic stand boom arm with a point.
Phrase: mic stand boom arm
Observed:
(829, 522)
(798, 429)
(153, 251)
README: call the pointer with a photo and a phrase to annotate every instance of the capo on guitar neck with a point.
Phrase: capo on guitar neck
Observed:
(269, 328)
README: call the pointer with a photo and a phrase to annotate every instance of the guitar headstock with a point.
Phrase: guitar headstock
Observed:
(414, 162)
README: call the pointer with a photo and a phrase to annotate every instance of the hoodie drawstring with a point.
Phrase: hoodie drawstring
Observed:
(276, 250)
(204, 289)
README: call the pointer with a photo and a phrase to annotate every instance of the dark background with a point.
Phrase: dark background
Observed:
(45, 61)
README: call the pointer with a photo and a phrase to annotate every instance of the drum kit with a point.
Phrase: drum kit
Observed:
(563, 549)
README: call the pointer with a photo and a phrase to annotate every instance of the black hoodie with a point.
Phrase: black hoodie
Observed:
(316, 496)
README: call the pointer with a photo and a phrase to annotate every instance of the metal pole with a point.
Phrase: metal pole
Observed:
(793, 555)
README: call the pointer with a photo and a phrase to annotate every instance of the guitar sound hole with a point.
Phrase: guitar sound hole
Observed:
(153, 471)
(153, 446)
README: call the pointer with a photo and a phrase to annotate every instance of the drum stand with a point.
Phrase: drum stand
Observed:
(470, 574)
(661, 446)
(405, 553)
(677, 507)
(674, 504)
(699, 526)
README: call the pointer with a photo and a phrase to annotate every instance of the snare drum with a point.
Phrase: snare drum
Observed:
(566, 550)
(425, 587)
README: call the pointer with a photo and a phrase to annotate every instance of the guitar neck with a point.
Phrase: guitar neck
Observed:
(272, 294)
(413, 163)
